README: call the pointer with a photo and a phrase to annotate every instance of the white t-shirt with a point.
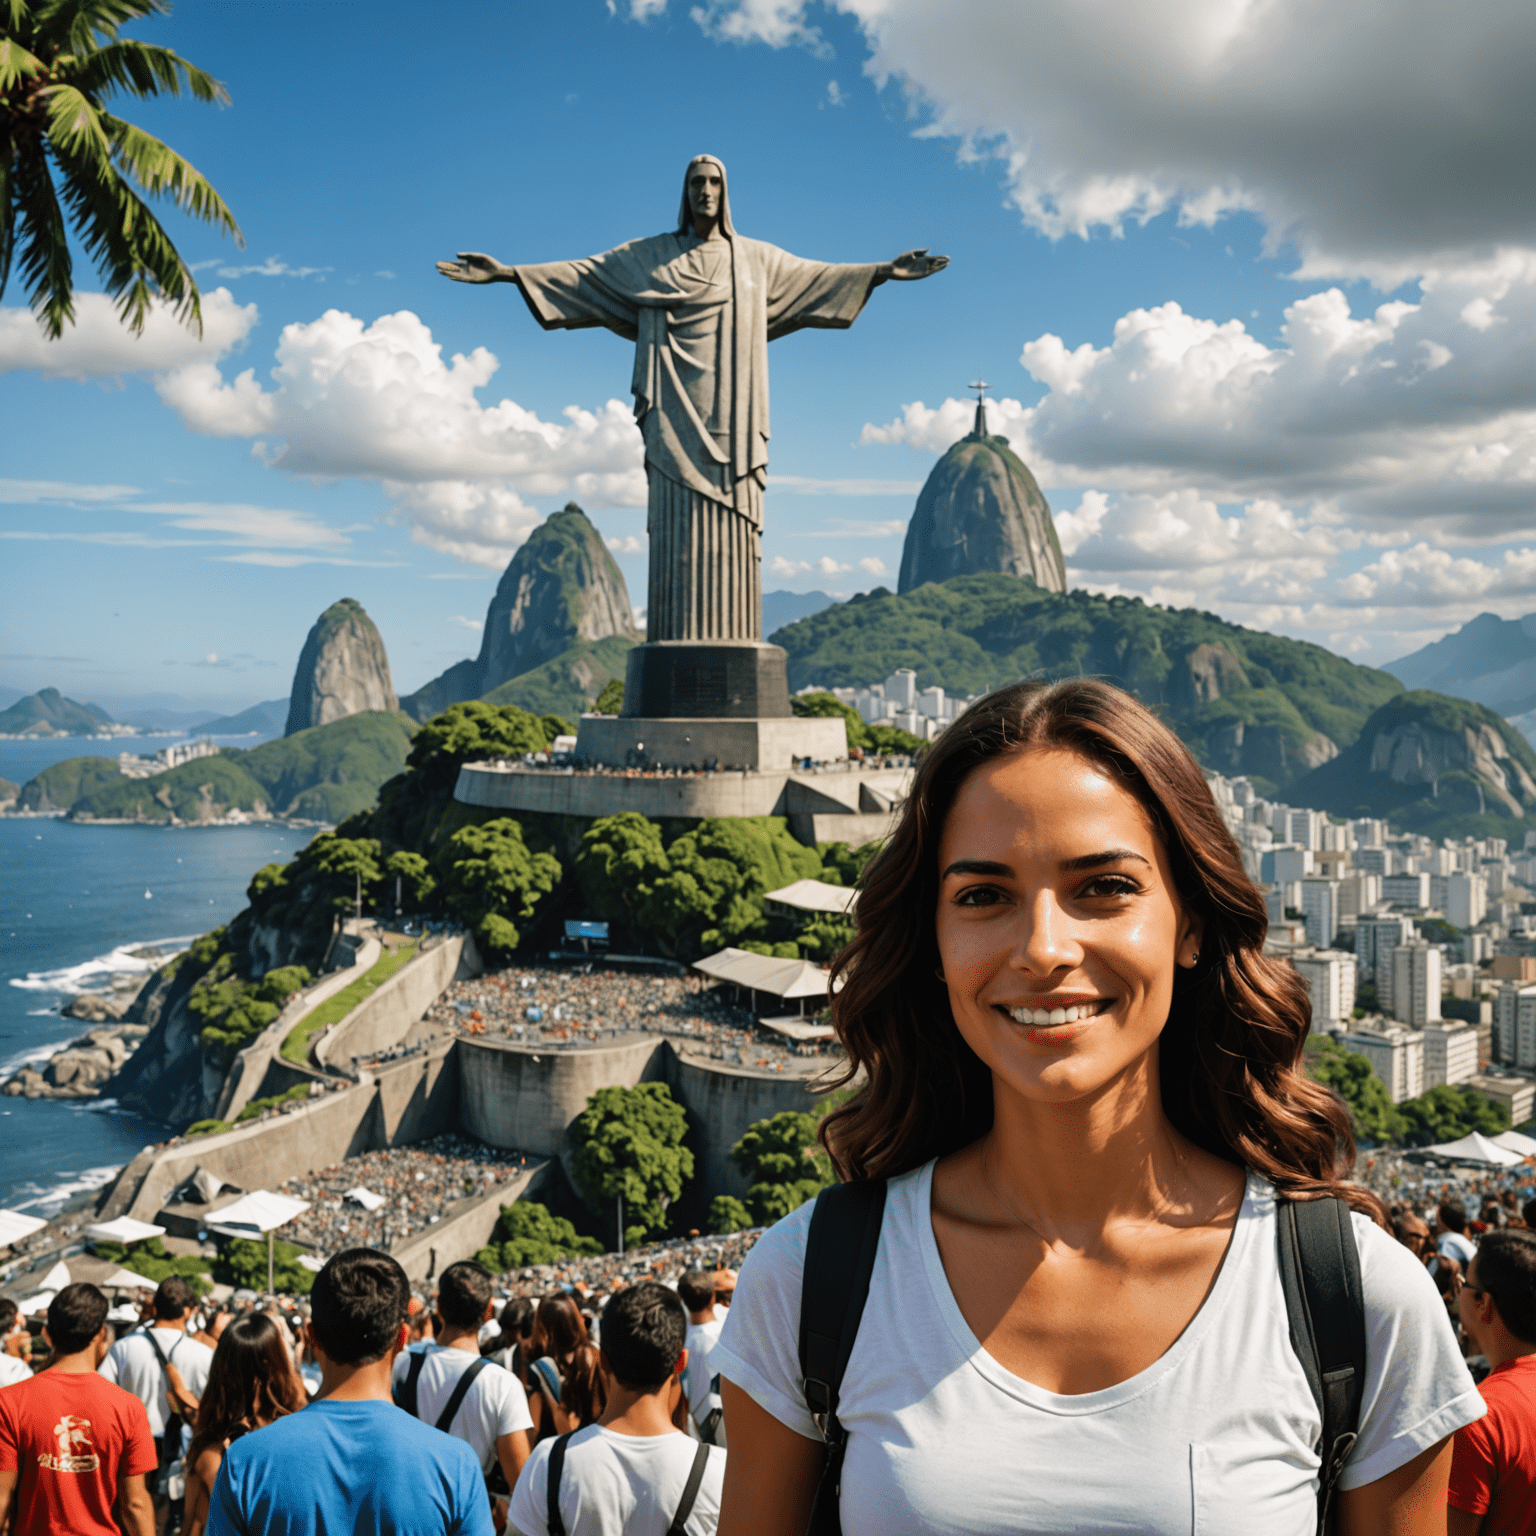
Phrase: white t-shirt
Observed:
(1218, 1435)
(133, 1364)
(701, 1339)
(618, 1485)
(495, 1404)
(13, 1370)
(1458, 1246)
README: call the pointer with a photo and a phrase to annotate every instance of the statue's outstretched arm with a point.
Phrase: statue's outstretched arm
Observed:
(907, 268)
(477, 267)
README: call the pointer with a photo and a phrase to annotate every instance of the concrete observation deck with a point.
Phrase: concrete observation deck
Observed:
(834, 802)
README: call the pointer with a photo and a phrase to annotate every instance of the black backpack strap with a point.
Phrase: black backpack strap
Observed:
(709, 1425)
(1325, 1304)
(405, 1392)
(839, 1260)
(552, 1516)
(168, 1446)
(460, 1392)
(690, 1491)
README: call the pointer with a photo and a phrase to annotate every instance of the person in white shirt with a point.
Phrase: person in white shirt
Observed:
(633, 1473)
(1083, 1100)
(491, 1414)
(1451, 1240)
(697, 1292)
(12, 1367)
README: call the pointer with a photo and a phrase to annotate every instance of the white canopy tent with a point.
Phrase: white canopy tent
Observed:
(310, 1262)
(796, 1028)
(1514, 1141)
(35, 1304)
(1476, 1148)
(125, 1230)
(788, 980)
(255, 1213)
(129, 1280)
(57, 1277)
(14, 1226)
(814, 896)
(365, 1198)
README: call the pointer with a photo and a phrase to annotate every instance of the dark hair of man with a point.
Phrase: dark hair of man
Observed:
(644, 1328)
(251, 1379)
(174, 1298)
(1453, 1216)
(357, 1305)
(7, 1314)
(517, 1318)
(463, 1294)
(1505, 1267)
(1528, 1214)
(1231, 1052)
(75, 1317)
(697, 1288)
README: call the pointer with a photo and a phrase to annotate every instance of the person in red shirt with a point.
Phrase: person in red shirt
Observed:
(1493, 1467)
(72, 1445)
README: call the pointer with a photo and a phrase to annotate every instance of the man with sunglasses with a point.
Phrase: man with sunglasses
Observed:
(1493, 1470)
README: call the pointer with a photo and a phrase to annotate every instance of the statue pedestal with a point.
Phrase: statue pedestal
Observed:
(710, 680)
(761, 746)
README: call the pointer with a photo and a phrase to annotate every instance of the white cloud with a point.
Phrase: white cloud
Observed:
(99, 345)
(801, 485)
(853, 528)
(1383, 140)
(465, 623)
(825, 566)
(629, 545)
(21, 491)
(873, 565)
(274, 266)
(835, 97)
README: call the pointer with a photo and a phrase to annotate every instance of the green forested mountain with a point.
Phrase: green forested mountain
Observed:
(570, 683)
(323, 774)
(48, 713)
(1244, 701)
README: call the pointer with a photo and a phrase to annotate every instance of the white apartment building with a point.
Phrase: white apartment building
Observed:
(1466, 899)
(1330, 978)
(1396, 1056)
(1416, 983)
(1283, 866)
(1375, 939)
(1406, 890)
(1359, 894)
(901, 688)
(1305, 828)
(1369, 832)
(1377, 860)
(1320, 907)
(1515, 1095)
(1514, 1026)
(1450, 1053)
(1337, 838)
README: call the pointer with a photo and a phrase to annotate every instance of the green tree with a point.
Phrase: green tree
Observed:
(784, 1162)
(465, 733)
(842, 865)
(149, 1258)
(1375, 1116)
(60, 60)
(611, 700)
(556, 725)
(346, 867)
(618, 864)
(629, 1142)
(728, 1214)
(494, 882)
(414, 875)
(526, 1233)
(232, 1010)
(825, 706)
(1448, 1113)
(244, 1263)
(887, 738)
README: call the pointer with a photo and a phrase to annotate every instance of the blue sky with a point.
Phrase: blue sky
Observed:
(1254, 286)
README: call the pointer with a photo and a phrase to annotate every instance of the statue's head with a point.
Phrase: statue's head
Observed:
(705, 194)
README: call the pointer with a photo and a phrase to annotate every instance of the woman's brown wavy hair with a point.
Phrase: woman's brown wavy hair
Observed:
(251, 1381)
(1230, 1053)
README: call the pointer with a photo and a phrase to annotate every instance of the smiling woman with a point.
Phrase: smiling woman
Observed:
(1086, 1111)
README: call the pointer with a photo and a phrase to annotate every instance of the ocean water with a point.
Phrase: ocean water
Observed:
(23, 758)
(75, 902)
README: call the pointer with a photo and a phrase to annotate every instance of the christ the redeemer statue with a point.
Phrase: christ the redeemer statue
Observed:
(701, 304)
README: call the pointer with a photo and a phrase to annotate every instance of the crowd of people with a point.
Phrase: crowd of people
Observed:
(572, 1007)
(415, 1184)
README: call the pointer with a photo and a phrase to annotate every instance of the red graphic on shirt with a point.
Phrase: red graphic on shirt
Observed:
(76, 1453)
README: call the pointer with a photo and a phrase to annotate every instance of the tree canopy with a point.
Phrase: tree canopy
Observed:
(629, 1142)
(62, 154)
(1371, 1110)
(494, 882)
(526, 1233)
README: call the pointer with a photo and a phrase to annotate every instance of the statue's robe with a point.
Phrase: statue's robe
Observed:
(701, 314)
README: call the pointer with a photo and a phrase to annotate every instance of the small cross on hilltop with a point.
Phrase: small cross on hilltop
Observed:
(980, 429)
(981, 387)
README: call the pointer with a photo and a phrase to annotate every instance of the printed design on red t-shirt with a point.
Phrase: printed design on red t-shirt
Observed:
(74, 1439)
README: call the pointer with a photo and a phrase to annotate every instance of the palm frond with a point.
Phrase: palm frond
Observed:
(162, 172)
(16, 64)
(75, 124)
(143, 69)
(7, 214)
(45, 263)
(126, 241)
(78, 27)
(14, 14)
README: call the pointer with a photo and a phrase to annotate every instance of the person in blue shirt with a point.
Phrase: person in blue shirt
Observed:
(352, 1461)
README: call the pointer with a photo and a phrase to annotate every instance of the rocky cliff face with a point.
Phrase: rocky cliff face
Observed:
(561, 589)
(980, 510)
(342, 670)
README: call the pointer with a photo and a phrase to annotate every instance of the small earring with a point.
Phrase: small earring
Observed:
(1194, 960)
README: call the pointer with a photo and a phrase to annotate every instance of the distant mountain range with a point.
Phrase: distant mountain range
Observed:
(781, 608)
(260, 720)
(48, 713)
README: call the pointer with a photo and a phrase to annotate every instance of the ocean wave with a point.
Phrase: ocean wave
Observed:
(41, 1051)
(74, 979)
(47, 1200)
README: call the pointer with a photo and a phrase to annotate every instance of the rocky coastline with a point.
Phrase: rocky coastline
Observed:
(77, 1070)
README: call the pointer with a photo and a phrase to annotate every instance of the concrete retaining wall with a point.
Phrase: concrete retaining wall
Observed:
(384, 1018)
(524, 1097)
(466, 1226)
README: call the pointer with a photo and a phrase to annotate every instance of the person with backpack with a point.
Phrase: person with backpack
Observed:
(633, 1472)
(447, 1381)
(167, 1370)
(1095, 1266)
(696, 1288)
(565, 1386)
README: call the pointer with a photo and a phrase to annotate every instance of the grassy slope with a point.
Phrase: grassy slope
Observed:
(334, 1009)
(571, 682)
(60, 785)
(323, 774)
